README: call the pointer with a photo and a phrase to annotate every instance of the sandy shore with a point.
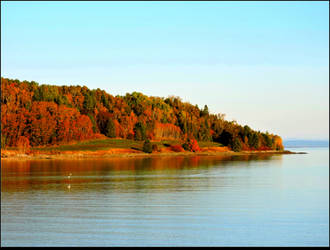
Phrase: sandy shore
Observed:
(15, 155)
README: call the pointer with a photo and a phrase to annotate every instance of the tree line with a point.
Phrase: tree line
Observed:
(46, 114)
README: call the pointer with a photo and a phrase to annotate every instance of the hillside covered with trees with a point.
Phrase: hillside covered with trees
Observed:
(41, 115)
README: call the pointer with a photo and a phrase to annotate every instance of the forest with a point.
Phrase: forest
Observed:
(43, 115)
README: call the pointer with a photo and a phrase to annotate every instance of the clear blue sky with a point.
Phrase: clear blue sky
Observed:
(264, 64)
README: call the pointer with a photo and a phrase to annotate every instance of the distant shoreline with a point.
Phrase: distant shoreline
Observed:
(302, 143)
(14, 155)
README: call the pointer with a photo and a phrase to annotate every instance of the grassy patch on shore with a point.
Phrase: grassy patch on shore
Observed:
(94, 145)
(105, 144)
(203, 144)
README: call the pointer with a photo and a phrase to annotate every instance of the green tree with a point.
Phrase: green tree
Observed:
(246, 131)
(268, 140)
(147, 146)
(110, 129)
(47, 93)
(91, 117)
(205, 111)
(253, 140)
(89, 102)
(62, 99)
(139, 131)
(204, 132)
(105, 101)
(182, 122)
(236, 145)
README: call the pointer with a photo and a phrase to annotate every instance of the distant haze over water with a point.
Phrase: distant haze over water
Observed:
(305, 143)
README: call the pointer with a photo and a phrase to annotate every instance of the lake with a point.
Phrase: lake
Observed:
(279, 200)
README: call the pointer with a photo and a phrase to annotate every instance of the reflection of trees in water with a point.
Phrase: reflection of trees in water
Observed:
(118, 174)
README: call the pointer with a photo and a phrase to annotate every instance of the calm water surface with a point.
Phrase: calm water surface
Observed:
(167, 201)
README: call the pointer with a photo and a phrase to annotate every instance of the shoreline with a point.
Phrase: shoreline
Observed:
(14, 155)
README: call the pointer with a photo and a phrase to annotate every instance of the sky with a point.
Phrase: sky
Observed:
(264, 64)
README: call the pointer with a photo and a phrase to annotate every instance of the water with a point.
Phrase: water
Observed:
(280, 200)
(305, 143)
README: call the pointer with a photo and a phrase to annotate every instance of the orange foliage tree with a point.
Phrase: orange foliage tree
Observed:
(167, 131)
(23, 144)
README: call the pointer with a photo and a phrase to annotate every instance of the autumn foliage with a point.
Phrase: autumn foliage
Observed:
(23, 144)
(191, 145)
(176, 148)
(166, 131)
(37, 115)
